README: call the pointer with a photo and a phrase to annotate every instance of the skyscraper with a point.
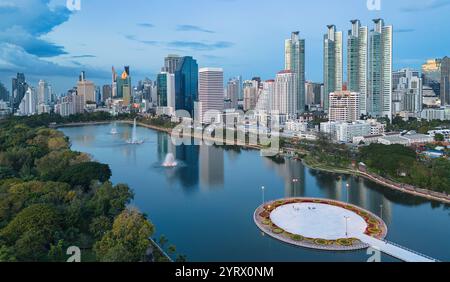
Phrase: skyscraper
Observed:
(286, 98)
(357, 62)
(210, 95)
(295, 62)
(379, 98)
(124, 88)
(333, 68)
(251, 88)
(233, 90)
(86, 89)
(431, 75)
(166, 90)
(4, 94)
(186, 83)
(171, 63)
(407, 95)
(19, 87)
(106, 92)
(445, 81)
(44, 92)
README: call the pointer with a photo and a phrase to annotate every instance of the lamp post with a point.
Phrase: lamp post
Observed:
(381, 211)
(346, 225)
(263, 191)
(348, 188)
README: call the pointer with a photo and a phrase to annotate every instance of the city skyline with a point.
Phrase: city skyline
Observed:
(143, 41)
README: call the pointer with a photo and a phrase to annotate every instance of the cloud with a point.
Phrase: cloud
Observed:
(23, 22)
(147, 25)
(193, 28)
(200, 46)
(426, 5)
(146, 42)
(16, 59)
(404, 30)
(83, 56)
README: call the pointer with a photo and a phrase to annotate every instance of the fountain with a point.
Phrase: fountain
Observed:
(170, 161)
(114, 130)
(134, 140)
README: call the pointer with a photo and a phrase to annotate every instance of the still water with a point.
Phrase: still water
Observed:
(205, 205)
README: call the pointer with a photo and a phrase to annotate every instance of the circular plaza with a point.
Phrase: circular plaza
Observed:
(319, 223)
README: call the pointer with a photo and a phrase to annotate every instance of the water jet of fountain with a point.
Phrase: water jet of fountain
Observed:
(170, 161)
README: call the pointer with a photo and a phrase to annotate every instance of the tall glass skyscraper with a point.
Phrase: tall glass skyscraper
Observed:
(379, 102)
(295, 62)
(19, 88)
(445, 81)
(357, 68)
(186, 84)
(332, 63)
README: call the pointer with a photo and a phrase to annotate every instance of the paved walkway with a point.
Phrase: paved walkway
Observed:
(395, 250)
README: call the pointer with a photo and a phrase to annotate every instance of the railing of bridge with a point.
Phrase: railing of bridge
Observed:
(411, 251)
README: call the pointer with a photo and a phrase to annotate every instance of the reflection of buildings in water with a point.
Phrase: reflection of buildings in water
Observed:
(212, 166)
(369, 199)
(188, 157)
(85, 140)
(293, 174)
(188, 172)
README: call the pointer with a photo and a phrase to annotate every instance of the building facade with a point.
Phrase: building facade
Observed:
(332, 59)
(295, 62)
(210, 104)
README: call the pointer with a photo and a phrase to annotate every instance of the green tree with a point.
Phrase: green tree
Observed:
(84, 173)
(128, 240)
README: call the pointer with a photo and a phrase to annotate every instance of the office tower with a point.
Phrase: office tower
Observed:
(4, 94)
(431, 75)
(344, 106)
(186, 83)
(106, 92)
(233, 90)
(379, 98)
(166, 90)
(295, 62)
(251, 91)
(147, 88)
(44, 92)
(124, 88)
(333, 67)
(266, 95)
(171, 63)
(114, 84)
(407, 93)
(286, 98)
(19, 87)
(210, 95)
(313, 93)
(29, 103)
(357, 62)
(86, 89)
(445, 81)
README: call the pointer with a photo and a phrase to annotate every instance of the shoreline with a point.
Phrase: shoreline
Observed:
(414, 191)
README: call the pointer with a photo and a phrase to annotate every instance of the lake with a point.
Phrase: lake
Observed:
(205, 205)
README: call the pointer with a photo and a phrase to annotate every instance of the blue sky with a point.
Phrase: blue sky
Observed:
(243, 36)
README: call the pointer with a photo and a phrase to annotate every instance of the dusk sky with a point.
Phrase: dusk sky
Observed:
(43, 39)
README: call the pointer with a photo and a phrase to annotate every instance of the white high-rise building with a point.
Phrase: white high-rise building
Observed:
(44, 93)
(379, 98)
(86, 89)
(408, 92)
(333, 59)
(210, 95)
(295, 62)
(266, 96)
(344, 106)
(285, 98)
(357, 61)
(29, 103)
